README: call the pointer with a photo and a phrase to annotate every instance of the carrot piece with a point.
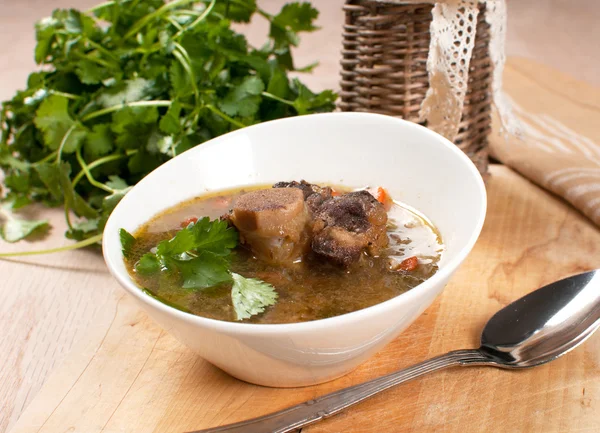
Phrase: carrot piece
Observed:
(186, 222)
(409, 264)
(335, 193)
(383, 197)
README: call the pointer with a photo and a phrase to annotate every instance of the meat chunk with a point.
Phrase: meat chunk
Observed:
(348, 225)
(314, 195)
(274, 223)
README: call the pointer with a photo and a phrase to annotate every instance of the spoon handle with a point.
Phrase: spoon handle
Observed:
(311, 411)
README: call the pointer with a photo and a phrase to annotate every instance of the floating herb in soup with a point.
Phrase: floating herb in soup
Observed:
(290, 253)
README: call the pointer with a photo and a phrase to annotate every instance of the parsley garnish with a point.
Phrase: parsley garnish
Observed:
(16, 227)
(198, 253)
(127, 242)
(250, 296)
(129, 84)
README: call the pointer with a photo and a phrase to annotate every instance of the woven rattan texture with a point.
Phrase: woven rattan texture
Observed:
(384, 59)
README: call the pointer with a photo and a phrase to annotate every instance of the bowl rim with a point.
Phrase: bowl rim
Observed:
(430, 284)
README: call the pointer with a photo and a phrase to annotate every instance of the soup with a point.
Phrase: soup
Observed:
(315, 273)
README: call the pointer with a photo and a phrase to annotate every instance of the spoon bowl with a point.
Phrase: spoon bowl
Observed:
(544, 324)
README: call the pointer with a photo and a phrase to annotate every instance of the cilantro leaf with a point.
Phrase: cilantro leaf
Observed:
(49, 175)
(136, 89)
(214, 236)
(18, 181)
(44, 33)
(131, 125)
(72, 199)
(239, 11)
(74, 22)
(180, 81)
(16, 229)
(251, 296)
(127, 242)
(83, 229)
(170, 123)
(116, 183)
(297, 17)
(90, 72)
(143, 162)
(13, 228)
(293, 18)
(98, 142)
(243, 99)
(308, 102)
(278, 84)
(110, 201)
(196, 251)
(55, 122)
(56, 178)
(158, 143)
(182, 242)
(206, 270)
(132, 117)
(204, 235)
(148, 264)
(12, 162)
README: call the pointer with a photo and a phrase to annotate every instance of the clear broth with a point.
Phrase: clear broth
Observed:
(311, 290)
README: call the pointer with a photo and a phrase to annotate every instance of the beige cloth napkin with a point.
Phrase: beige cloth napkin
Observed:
(559, 144)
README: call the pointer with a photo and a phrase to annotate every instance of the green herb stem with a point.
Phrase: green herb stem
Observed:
(97, 60)
(47, 158)
(118, 107)
(90, 178)
(3, 132)
(188, 12)
(66, 95)
(173, 23)
(137, 26)
(67, 212)
(100, 6)
(277, 98)
(197, 21)
(64, 140)
(102, 49)
(260, 11)
(74, 246)
(183, 57)
(100, 161)
(219, 113)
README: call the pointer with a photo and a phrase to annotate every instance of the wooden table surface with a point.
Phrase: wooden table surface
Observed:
(58, 311)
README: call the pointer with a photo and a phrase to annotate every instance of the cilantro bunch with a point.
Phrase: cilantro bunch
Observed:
(130, 84)
(198, 254)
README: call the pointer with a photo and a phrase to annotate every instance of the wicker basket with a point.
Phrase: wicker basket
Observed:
(384, 56)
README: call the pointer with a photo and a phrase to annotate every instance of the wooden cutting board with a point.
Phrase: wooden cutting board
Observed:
(133, 377)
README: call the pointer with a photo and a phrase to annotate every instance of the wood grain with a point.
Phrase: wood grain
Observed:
(69, 300)
(48, 304)
(134, 377)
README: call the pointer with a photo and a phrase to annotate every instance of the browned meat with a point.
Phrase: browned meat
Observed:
(348, 225)
(274, 223)
(314, 195)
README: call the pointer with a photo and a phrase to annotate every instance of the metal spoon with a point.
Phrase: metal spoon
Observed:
(533, 330)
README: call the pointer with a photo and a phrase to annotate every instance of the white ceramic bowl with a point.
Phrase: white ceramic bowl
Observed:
(417, 166)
